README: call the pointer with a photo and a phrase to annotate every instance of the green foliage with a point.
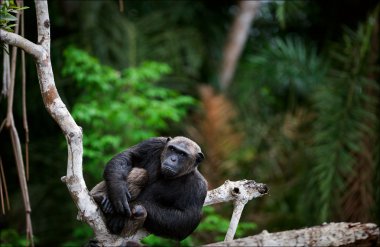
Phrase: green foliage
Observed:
(7, 9)
(214, 223)
(80, 236)
(345, 111)
(213, 226)
(11, 238)
(119, 109)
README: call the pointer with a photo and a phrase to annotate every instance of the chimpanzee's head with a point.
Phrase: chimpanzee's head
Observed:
(180, 156)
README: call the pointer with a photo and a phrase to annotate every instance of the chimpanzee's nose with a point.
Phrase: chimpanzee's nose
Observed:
(173, 158)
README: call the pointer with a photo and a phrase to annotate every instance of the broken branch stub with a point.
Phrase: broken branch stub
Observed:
(242, 191)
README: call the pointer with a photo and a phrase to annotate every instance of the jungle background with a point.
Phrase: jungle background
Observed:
(300, 115)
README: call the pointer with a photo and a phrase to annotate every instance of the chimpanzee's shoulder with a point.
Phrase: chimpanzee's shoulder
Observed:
(152, 144)
(199, 180)
(154, 141)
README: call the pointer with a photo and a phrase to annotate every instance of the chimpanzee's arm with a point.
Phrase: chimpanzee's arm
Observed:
(115, 174)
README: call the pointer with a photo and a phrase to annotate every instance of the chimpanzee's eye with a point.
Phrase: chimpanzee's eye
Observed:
(171, 148)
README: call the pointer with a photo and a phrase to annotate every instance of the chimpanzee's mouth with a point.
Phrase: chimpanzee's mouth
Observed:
(167, 171)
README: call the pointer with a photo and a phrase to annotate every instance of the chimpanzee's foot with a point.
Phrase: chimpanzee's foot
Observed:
(138, 212)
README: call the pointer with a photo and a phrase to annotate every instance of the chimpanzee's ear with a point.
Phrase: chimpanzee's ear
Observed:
(200, 158)
(168, 139)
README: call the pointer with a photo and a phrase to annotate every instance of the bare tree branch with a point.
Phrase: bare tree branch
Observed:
(243, 190)
(13, 75)
(21, 174)
(333, 234)
(6, 75)
(3, 186)
(88, 210)
(24, 111)
(16, 40)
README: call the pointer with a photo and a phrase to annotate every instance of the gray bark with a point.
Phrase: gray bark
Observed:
(333, 234)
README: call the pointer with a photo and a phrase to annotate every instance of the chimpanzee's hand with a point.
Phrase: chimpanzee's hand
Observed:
(119, 197)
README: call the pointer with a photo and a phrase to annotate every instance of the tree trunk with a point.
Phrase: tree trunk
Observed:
(236, 39)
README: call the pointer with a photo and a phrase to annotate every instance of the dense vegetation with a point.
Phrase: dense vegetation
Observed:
(301, 114)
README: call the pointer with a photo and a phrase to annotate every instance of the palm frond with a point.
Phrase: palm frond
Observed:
(344, 131)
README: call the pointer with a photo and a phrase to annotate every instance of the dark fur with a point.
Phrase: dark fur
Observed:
(173, 194)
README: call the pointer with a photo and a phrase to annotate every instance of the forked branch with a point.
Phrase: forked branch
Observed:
(240, 192)
(16, 40)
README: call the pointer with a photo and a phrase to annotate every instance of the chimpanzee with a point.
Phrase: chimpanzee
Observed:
(156, 184)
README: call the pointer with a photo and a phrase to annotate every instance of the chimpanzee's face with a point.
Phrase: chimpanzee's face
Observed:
(180, 157)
